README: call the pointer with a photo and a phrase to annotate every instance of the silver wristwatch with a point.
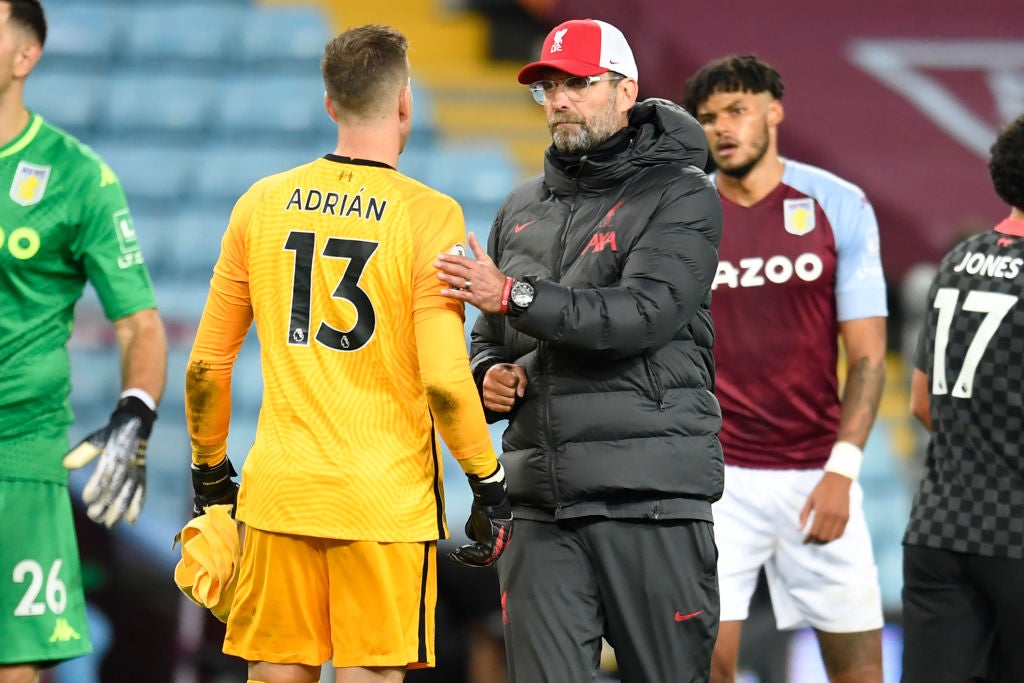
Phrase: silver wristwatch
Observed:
(520, 296)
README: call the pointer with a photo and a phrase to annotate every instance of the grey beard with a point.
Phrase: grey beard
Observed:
(578, 142)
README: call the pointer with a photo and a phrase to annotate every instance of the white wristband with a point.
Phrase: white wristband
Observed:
(142, 395)
(845, 460)
(499, 475)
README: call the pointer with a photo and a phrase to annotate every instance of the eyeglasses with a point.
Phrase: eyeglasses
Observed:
(576, 87)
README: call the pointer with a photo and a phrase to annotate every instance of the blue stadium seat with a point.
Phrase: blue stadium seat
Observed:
(81, 35)
(424, 124)
(69, 100)
(255, 107)
(155, 232)
(481, 173)
(95, 383)
(196, 243)
(292, 107)
(181, 244)
(229, 170)
(247, 381)
(181, 300)
(153, 176)
(182, 36)
(480, 217)
(157, 106)
(283, 38)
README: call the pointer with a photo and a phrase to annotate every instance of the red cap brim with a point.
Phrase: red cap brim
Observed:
(531, 73)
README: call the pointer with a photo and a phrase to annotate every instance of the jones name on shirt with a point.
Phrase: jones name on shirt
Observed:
(989, 265)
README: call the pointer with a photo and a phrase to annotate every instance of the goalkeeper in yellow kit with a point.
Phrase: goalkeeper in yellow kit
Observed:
(362, 357)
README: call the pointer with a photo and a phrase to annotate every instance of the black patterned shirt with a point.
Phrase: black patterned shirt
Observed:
(971, 499)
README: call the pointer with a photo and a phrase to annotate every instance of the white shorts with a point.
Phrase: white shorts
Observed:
(831, 587)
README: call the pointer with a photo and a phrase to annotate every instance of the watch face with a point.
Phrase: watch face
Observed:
(521, 294)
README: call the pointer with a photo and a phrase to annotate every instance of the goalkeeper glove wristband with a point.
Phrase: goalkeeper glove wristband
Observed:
(490, 521)
(214, 486)
(117, 488)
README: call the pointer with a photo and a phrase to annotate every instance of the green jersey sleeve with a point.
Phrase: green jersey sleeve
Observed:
(108, 246)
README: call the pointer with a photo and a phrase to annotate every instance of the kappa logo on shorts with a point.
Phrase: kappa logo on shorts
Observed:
(63, 632)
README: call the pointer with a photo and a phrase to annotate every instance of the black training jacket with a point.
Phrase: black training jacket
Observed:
(621, 245)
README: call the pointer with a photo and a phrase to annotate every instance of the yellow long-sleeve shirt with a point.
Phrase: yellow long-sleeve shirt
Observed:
(361, 355)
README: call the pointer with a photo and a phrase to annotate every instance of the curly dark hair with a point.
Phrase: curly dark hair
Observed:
(1006, 166)
(733, 73)
(29, 14)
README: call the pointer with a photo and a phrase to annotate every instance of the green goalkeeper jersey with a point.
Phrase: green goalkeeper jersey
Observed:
(63, 220)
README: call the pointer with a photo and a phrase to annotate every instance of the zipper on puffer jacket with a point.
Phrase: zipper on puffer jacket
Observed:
(564, 236)
(658, 391)
(549, 436)
(546, 358)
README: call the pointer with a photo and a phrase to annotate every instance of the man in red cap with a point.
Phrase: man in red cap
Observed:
(595, 345)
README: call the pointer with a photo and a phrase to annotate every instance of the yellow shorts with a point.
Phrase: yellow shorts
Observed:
(304, 600)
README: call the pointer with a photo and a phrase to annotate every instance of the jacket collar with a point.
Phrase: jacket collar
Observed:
(659, 132)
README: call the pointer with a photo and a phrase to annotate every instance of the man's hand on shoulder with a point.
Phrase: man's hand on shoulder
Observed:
(477, 282)
(490, 521)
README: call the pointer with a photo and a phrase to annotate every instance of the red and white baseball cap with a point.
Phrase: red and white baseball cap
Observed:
(583, 47)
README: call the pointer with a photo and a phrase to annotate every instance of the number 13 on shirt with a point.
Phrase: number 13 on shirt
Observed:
(359, 253)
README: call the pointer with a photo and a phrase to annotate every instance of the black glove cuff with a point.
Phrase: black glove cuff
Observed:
(135, 406)
(209, 482)
(489, 494)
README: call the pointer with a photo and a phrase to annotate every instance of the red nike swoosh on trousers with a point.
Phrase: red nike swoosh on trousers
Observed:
(686, 617)
(520, 226)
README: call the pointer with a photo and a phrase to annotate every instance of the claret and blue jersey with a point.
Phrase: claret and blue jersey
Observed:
(791, 268)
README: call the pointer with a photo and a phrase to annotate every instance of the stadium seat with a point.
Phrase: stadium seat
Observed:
(183, 36)
(229, 170)
(95, 383)
(81, 36)
(256, 108)
(479, 218)
(158, 107)
(153, 176)
(181, 244)
(283, 39)
(154, 230)
(247, 381)
(69, 100)
(424, 123)
(195, 245)
(181, 300)
(481, 173)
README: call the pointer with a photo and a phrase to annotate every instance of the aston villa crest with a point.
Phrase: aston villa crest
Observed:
(798, 215)
(29, 183)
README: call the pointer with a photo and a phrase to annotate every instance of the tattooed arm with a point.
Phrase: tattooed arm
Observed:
(864, 340)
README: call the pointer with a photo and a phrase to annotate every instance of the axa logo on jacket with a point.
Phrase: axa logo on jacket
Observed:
(599, 241)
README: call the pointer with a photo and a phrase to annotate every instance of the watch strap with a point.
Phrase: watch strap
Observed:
(506, 290)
